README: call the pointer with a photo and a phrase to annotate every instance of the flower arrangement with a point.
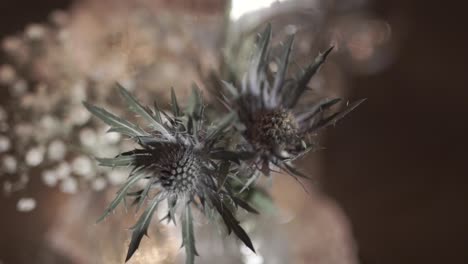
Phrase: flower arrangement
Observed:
(192, 160)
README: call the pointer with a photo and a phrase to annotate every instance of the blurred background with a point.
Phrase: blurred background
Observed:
(392, 177)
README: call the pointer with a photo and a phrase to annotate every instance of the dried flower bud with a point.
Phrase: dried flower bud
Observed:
(276, 128)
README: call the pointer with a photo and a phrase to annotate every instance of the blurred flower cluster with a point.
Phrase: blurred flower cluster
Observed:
(51, 68)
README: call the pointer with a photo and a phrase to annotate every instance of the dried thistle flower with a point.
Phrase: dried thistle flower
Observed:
(276, 127)
(182, 160)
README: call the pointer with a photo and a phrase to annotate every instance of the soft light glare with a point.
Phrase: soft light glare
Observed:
(249, 257)
(242, 7)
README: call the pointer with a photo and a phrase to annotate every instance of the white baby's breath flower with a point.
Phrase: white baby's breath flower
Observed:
(49, 177)
(35, 156)
(69, 185)
(9, 163)
(5, 144)
(26, 205)
(82, 166)
(63, 170)
(56, 150)
(98, 184)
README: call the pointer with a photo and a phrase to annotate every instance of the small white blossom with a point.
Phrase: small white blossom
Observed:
(49, 178)
(69, 185)
(5, 143)
(117, 177)
(98, 184)
(35, 156)
(83, 166)
(26, 205)
(88, 137)
(9, 164)
(63, 170)
(56, 150)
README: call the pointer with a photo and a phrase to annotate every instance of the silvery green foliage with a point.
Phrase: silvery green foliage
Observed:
(275, 127)
(182, 161)
(190, 163)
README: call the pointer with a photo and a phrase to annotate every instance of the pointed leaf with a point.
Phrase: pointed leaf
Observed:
(231, 89)
(231, 222)
(321, 106)
(283, 67)
(249, 182)
(135, 106)
(172, 204)
(244, 205)
(293, 171)
(152, 141)
(221, 125)
(223, 172)
(135, 193)
(195, 105)
(174, 104)
(157, 112)
(233, 156)
(134, 157)
(120, 196)
(141, 227)
(190, 129)
(335, 117)
(144, 194)
(188, 238)
(264, 47)
(295, 177)
(119, 161)
(307, 75)
(116, 123)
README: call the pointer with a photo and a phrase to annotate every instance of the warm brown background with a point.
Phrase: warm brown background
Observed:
(398, 167)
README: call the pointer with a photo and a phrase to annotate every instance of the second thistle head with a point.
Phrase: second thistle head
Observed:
(267, 105)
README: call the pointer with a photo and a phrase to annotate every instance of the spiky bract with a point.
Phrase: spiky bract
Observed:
(182, 162)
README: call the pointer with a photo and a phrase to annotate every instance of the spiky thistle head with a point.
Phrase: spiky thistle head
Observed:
(180, 159)
(267, 105)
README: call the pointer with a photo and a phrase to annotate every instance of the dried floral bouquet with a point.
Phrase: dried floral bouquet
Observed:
(190, 161)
